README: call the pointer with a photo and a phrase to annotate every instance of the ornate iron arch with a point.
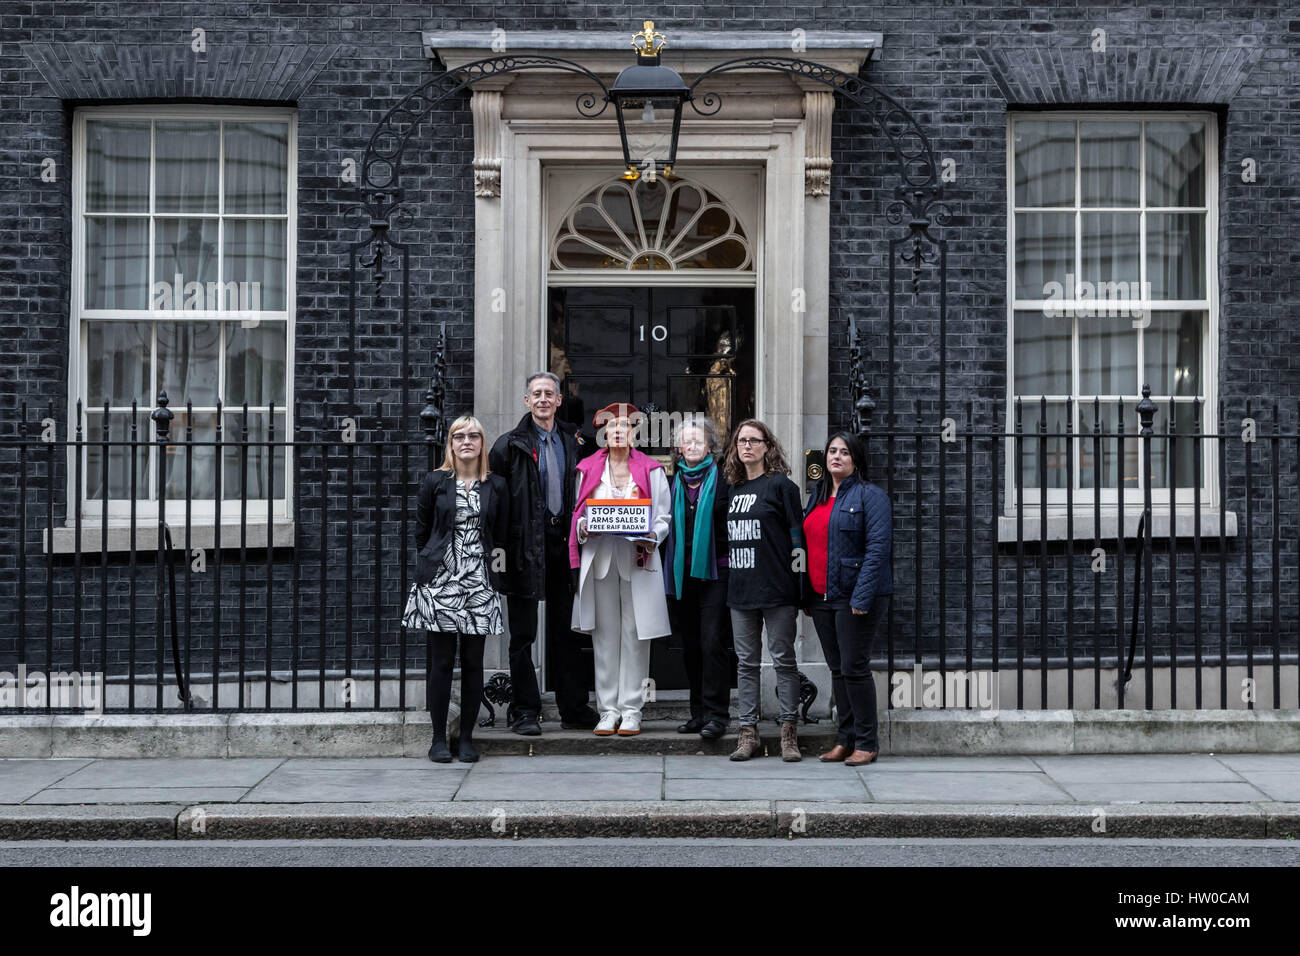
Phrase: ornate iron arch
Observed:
(918, 202)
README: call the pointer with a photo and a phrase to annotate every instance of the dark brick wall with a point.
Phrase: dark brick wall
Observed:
(959, 66)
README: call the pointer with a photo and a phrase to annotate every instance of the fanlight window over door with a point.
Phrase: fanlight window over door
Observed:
(662, 225)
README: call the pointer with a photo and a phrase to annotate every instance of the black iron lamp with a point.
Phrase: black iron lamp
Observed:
(648, 99)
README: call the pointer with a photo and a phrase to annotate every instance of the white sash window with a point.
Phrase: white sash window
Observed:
(1112, 245)
(182, 280)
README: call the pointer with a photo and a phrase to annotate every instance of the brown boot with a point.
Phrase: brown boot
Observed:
(789, 743)
(748, 745)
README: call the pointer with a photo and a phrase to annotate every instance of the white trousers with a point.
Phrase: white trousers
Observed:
(622, 661)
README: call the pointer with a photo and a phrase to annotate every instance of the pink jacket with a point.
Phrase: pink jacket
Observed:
(591, 468)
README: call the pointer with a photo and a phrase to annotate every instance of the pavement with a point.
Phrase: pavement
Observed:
(647, 794)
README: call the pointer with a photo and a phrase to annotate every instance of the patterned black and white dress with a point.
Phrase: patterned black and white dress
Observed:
(459, 598)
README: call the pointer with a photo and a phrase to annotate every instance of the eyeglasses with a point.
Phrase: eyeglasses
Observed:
(751, 441)
(467, 437)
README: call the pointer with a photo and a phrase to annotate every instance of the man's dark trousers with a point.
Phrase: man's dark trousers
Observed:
(564, 656)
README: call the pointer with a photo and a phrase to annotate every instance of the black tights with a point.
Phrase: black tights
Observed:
(442, 660)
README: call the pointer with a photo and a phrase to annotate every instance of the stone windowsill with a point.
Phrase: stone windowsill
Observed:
(146, 536)
(1083, 524)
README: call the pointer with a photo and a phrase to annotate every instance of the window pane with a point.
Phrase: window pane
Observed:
(1176, 255)
(188, 362)
(1044, 252)
(255, 255)
(257, 167)
(255, 364)
(1042, 356)
(119, 456)
(1184, 451)
(1176, 164)
(187, 166)
(203, 471)
(117, 363)
(1044, 156)
(1107, 356)
(117, 263)
(1108, 466)
(117, 166)
(1110, 248)
(185, 251)
(256, 461)
(1109, 169)
(1172, 353)
(1036, 449)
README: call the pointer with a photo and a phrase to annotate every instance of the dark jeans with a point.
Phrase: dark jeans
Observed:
(701, 619)
(846, 643)
(442, 661)
(564, 655)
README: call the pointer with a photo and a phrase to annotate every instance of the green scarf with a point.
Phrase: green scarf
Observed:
(700, 549)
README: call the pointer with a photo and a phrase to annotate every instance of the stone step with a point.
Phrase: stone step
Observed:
(656, 737)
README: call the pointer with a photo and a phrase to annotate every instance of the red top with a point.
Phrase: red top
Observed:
(816, 527)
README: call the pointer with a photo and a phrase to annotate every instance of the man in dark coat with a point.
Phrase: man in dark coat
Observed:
(537, 459)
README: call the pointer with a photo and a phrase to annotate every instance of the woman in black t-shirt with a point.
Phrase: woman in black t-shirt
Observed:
(764, 528)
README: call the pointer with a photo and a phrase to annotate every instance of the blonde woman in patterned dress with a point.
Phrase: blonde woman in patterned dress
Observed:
(461, 517)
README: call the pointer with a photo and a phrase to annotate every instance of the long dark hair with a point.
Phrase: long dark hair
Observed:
(773, 458)
(857, 453)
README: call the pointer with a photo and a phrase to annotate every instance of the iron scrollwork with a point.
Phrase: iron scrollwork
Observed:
(918, 197)
(380, 196)
(496, 691)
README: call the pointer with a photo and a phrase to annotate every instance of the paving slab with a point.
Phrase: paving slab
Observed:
(350, 786)
(1269, 763)
(1278, 786)
(886, 764)
(1137, 768)
(963, 787)
(845, 789)
(1176, 792)
(560, 763)
(171, 772)
(138, 795)
(562, 786)
(21, 778)
(757, 768)
(422, 763)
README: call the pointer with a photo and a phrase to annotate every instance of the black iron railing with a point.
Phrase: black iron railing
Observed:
(1168, 554)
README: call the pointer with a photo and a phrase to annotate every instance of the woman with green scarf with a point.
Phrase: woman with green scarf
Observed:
(695, 577)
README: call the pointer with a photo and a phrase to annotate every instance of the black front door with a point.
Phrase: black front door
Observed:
(671, 351)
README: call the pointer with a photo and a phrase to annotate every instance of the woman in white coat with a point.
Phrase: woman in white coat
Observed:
(620, 599)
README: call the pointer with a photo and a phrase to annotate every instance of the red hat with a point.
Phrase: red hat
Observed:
(616, 410)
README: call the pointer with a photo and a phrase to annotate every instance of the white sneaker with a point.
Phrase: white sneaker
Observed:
(630, 727)
(608, 722)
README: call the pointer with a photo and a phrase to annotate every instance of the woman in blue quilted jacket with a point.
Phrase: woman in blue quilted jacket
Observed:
(849, 533)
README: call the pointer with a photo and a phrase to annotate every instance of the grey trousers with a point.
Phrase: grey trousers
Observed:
(747, 628)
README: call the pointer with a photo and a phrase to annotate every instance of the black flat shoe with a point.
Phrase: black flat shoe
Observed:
(467, 752)
(439, 753)
(691, 726)
(713, 729)
(581, 721)
(527, 726)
